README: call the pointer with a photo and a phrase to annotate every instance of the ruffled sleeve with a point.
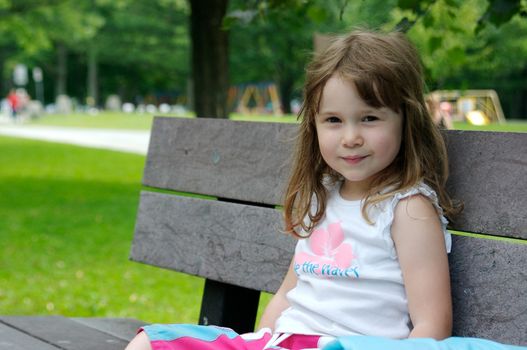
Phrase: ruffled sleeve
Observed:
(385, 218)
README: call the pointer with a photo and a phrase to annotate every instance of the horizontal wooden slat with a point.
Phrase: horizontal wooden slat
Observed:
(489, 289)
(13, 339)
(218, 157)
(64, 333)
(489, 173)
(222, 241)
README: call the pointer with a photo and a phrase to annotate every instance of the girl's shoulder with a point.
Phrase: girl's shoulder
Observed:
(386, 209)
(420, 189)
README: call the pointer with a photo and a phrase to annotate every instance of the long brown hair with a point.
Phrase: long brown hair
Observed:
(387, 72)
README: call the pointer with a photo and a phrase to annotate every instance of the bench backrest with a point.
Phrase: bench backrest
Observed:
(233, 239)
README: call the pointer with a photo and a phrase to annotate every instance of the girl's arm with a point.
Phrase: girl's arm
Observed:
(279, 301)
(420, 245)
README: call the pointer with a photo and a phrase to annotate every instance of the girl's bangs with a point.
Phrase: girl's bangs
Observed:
(378, 92)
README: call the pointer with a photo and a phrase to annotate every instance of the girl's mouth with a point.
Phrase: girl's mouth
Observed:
(354, 159)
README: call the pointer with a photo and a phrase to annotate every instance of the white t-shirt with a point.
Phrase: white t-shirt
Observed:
(349, 277)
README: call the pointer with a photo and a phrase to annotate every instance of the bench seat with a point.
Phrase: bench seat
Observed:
(57, 332)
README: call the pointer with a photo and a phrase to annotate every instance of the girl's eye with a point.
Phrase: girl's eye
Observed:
(369, 118)
(333, 119)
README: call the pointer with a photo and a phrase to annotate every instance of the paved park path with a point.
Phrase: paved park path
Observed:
(131, 141)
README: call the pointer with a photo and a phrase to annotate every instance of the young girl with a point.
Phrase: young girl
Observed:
(366, 199)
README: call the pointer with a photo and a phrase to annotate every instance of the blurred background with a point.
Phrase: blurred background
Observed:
(136, 56)
(67, 213)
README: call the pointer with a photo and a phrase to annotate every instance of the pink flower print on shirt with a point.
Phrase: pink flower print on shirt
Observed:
(331, 255)
(330, 244)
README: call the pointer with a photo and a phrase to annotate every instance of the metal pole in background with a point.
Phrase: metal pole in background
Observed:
(20, 75)
(39, 85)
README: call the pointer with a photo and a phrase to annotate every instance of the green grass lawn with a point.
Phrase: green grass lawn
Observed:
(108, 120)
(118, 120)
(134, 121)
(66, 225)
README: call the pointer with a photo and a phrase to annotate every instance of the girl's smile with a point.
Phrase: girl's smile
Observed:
(354, 159)
(355, 139)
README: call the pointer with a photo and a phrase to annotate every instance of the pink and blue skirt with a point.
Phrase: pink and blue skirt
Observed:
(192, 337)
(189, 337)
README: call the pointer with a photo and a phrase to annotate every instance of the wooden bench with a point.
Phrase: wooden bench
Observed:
(232, 237)
(234, 241)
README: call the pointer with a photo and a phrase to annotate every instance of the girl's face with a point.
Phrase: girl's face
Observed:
(355, 139)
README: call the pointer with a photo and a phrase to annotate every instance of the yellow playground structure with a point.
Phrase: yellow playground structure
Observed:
(477, 107)
(261, 98)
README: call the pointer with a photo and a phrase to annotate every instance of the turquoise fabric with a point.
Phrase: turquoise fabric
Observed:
(453, 343)
(171, 332)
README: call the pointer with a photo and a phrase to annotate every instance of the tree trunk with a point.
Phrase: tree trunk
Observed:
(4, 82)
(62, 69)
(92, 98)
(210, 70)
(286, 94)
(522, 103)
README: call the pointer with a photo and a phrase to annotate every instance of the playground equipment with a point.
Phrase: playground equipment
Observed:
(477, 107)
(261, 98)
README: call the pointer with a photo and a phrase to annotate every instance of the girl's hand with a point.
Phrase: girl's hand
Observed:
(419, 241)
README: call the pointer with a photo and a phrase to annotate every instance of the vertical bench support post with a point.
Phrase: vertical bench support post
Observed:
(229, 306)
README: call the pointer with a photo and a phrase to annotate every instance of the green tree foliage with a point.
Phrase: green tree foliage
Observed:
(274, 42)
(143, 47)
(33, 30)
(464, 44)
(140, 47)
(499, 12)
(463, 47)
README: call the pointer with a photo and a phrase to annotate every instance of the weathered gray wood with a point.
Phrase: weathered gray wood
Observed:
(489, 173)
(13, 339)
(489, 285)
(226, 242)
(123, 328)
(218, 157)
(250, 162)
(64, 333)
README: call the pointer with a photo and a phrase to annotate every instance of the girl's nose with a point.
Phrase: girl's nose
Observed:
(352, 137)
